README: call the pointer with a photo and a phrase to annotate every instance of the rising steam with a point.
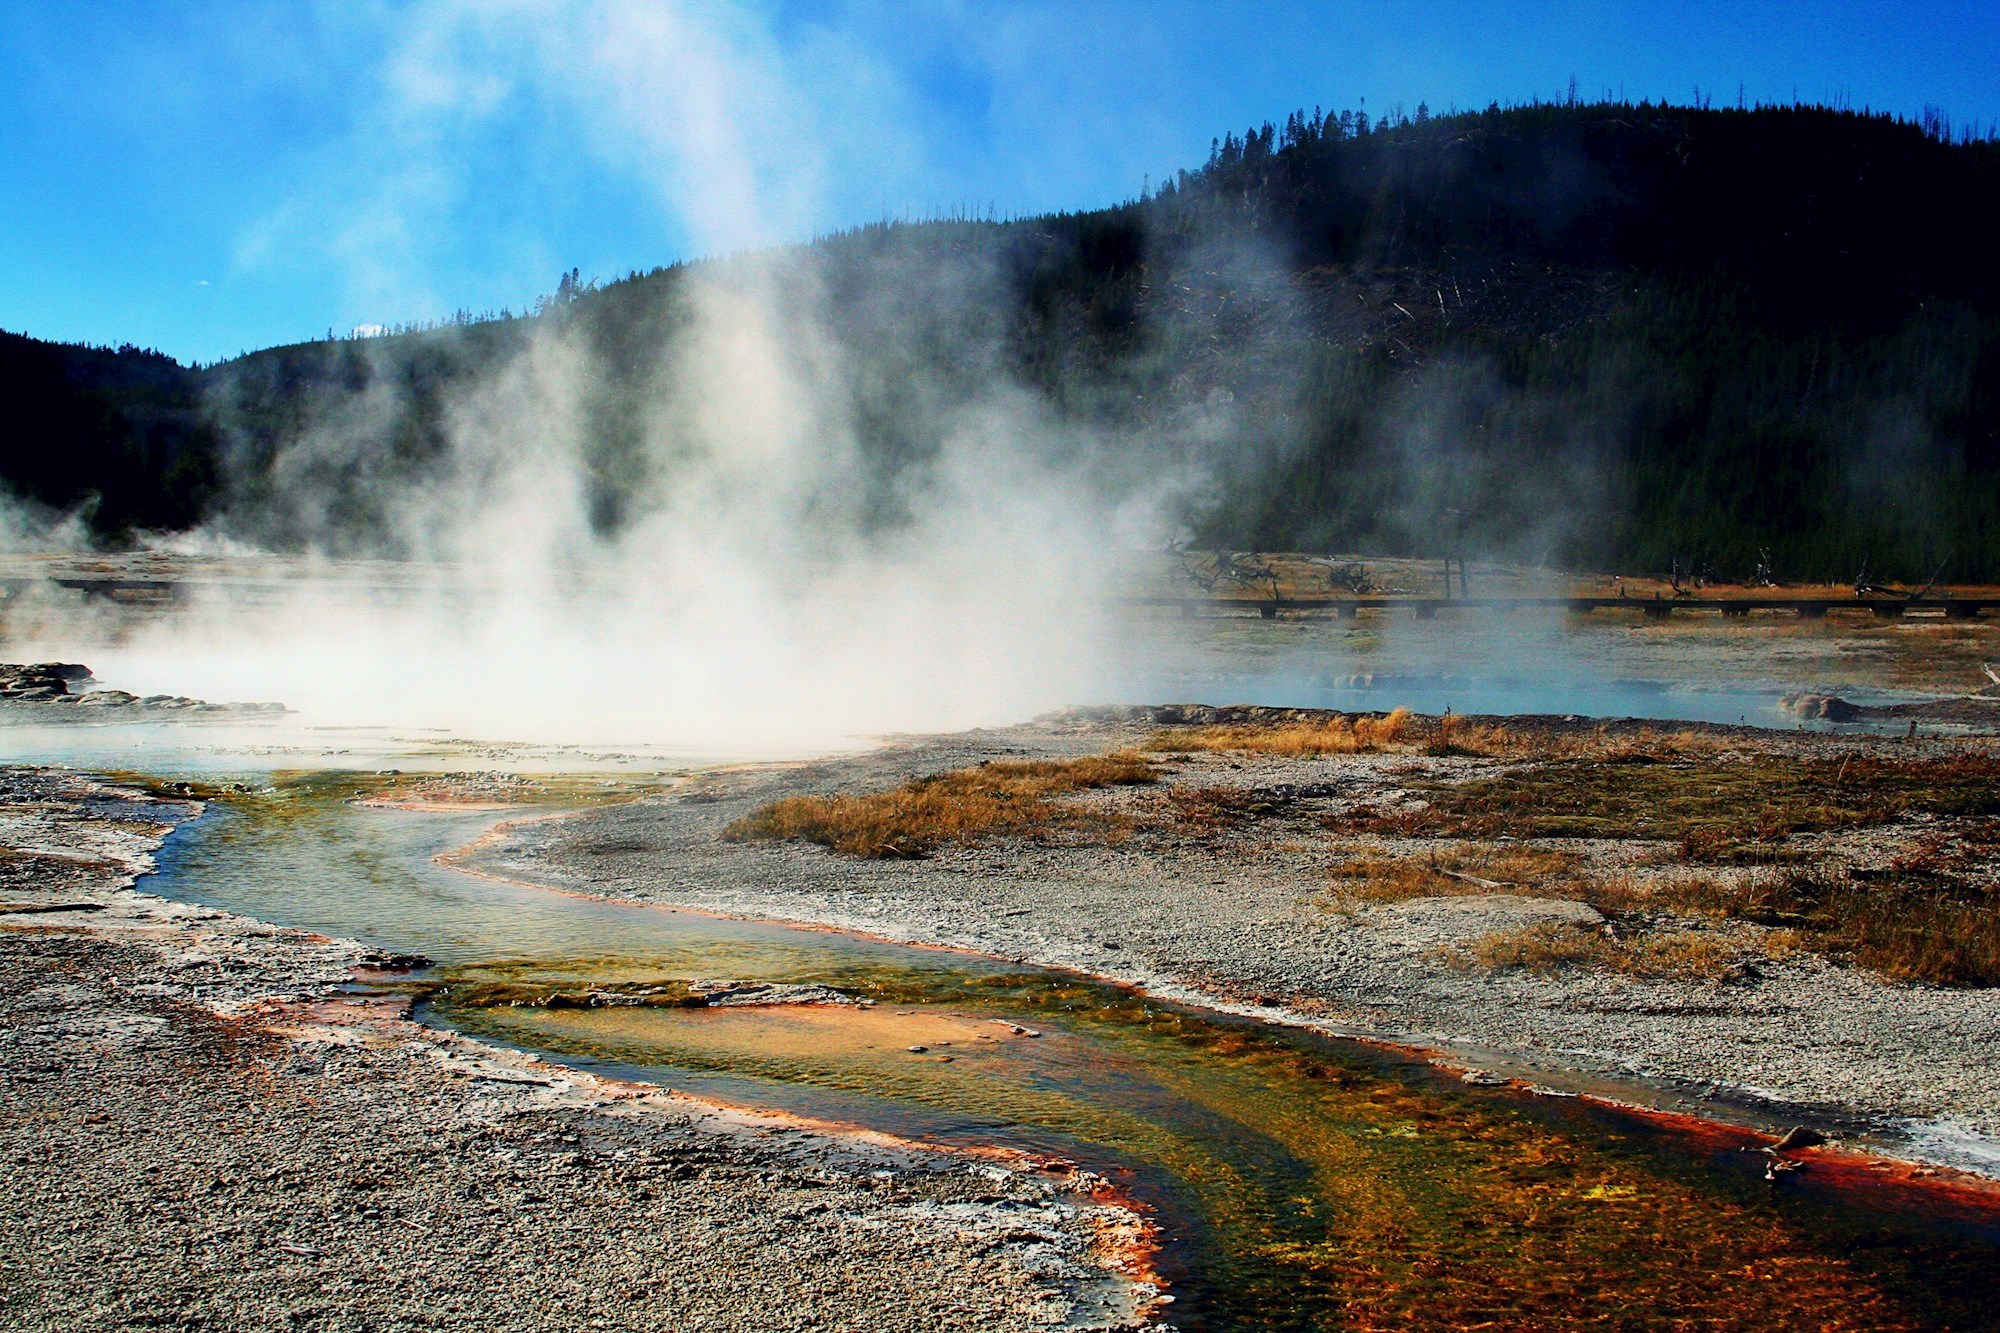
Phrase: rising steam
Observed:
(763, 583)
(761, 590)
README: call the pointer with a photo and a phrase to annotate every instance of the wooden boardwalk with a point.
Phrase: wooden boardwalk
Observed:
(1662, 608)
(167, 592)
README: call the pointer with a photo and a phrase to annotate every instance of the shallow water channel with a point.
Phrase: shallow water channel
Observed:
(1302, 1182)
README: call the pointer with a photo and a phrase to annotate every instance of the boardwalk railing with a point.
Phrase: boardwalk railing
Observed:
(1426, 608)
(156, 591)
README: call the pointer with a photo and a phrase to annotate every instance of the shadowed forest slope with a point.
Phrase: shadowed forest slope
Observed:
(1608, 335)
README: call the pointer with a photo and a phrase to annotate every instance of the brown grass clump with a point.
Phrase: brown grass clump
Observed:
(1401, 822)
(1448, 735)
(1907, 925)
(1735, 801)
(1338, 734)
(1709, 845)
(1910, 924)
(1667, 955)
(963, 807)
(1205, 813)
(1451, 735)
(1471, 868)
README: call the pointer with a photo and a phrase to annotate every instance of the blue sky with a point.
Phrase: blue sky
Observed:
(216, 177)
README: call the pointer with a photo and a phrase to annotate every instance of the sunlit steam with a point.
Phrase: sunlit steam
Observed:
(761, 585)
(756, 594)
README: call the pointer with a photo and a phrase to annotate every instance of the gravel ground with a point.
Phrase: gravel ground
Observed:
(203, 1128)
(1245, 923)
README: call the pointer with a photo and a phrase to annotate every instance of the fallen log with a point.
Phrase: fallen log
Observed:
(1476, 880)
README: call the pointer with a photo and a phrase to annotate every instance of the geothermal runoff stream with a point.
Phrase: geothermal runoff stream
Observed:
(1291, 1174)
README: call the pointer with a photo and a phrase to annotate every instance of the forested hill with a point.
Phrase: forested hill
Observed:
(1614, 335)
(122, 432)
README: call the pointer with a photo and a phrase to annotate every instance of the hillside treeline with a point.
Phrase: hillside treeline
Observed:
(1735, 338)
(1610, 335)
(119, 437)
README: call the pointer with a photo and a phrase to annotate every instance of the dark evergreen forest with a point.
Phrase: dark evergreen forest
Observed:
(120, 432)
(1608, 335)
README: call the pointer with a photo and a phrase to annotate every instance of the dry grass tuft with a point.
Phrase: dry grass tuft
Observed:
(1470, 868)
(1451, 735)
(1681, 955)
(1731, 802)
(1908, 925)
(1206, 813)
(1708, 845)
(1931, 915)
(1454, 736)
(1338, 734)
(964, 806)
(1914, 923)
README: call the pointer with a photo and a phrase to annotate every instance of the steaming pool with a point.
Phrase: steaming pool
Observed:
(1300, 1181)
(304, 742)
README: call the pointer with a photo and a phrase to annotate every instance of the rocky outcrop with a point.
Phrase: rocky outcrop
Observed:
(66, 684)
